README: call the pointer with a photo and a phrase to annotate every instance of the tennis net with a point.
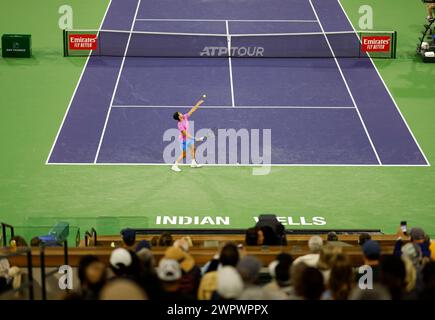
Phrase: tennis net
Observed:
(347, 44)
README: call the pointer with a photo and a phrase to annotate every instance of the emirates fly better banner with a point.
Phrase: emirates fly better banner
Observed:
(376, 43)
(82, 41)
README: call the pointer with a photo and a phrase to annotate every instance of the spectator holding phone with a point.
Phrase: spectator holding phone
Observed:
(417, 236)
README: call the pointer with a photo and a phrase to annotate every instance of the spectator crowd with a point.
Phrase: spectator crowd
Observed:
(325, 273)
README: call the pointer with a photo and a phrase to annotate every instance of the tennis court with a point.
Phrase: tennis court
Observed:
(320, 111)
(56, 110)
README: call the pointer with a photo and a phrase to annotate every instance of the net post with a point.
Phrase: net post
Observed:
(394, 45)
(64, 42)
(99, 43)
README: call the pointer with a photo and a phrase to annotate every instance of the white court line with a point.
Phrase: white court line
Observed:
(221, 35)
(116, 84)
(346, 84)
(75, 89)
(151, 32)
(238, 107)
(240, 165)
(223, 20)
(230, 64)
(388, 90)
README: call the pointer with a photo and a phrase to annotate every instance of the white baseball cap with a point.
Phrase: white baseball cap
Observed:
(169, 270)
(229, 283)
(120, 257)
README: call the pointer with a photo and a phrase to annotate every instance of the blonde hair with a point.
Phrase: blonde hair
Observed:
(327, 256)
(341, 281)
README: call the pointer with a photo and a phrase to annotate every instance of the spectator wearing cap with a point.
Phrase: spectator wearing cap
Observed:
(249, 269)
(417, 236)
(169, 273)
(126, 264)
(228, 256)
(372, 253)
(315, 244)
(229, 284)
(128, 237)
(120, 260)
(332, 240)
(191, 274)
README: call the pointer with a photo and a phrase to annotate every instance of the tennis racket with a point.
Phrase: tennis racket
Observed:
(200, 139)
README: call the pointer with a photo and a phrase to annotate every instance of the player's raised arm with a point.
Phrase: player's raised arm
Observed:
(196, 106)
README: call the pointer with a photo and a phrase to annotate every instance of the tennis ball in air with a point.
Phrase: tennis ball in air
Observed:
(204, 96)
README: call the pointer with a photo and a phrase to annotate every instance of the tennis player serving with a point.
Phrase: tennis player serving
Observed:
(186, 139)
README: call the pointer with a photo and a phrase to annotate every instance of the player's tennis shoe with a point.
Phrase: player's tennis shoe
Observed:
(194, 164)
(175, 168)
